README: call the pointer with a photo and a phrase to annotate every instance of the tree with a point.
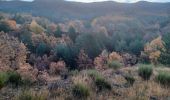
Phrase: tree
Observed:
(12, 52)
(136, 47)
(26, 37)
(19, 19)
(42, 49)
(153, 49)
(66, 53)
(72, 33)
(165, 55)
(58, 32)
(89, 44)
(83, 61)
(36, 28)
(4, 26)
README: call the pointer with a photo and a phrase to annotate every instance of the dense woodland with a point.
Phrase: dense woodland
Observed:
(61, 59)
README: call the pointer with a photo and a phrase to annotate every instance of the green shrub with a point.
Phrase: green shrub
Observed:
(29, 95)
(163, 78)
(26, 83)
(130, 79)
(3, 79)
(101, 84)
(80, 91)
(74, 72)
(25, 95)
(93, 73)
(114, 64)
(145, 71)
(14, 78)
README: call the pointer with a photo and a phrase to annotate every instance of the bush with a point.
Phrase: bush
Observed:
(93, 73)
(73, 72)
(3, 79)
(101, 84)
(14, 78)
(4, 26)
(114, 64)
(145, 71)
(25, 96)
(130, 79)
(80, 91)
(163, 78)
(29, 95)
(42, 49)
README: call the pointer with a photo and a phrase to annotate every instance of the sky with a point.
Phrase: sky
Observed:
(124, 1)
(127, 1)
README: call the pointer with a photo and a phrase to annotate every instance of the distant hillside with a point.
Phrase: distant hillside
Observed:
(60, 10)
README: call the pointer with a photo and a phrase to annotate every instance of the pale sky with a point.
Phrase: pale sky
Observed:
(127, 1)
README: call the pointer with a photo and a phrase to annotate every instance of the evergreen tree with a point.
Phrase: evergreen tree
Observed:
(165, 55)
(58, 32)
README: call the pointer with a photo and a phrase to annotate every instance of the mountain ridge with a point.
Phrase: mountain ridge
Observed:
(62, 10)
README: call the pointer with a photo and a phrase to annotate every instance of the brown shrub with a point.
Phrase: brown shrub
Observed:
(100, 62)
(57, 68)
(83, 61)
(114, 56)
(12, 52)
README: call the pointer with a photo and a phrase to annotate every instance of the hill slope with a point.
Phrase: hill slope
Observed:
(63, 10)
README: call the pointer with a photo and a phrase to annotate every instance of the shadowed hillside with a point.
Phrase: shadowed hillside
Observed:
(60, 10)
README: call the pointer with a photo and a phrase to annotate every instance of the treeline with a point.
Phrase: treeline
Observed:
(90, 44)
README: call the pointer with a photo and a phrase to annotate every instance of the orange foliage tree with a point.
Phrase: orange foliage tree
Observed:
(12, 52)
(83, 61)
(153, 49)
(100, 62)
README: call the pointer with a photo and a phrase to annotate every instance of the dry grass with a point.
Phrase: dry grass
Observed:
(140, 90)
(32, 95)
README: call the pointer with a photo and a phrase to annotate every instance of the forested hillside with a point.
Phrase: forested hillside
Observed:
(60, 50)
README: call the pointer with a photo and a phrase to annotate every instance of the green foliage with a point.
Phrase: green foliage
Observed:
(66, 53)
(100, 81)
(90, 44)
(114, 64)
(130, 79)
(165, 55)
(74, 72)
(131, 43)
(25, 96)
(3, 79)
(145, 71)
(72, 33)
(163, 78)
(80, 91)
(42, 49)
(28, 95)
(4, 26)
(26, 38)
(14, 78)
(136, 47)
(93, 73)
(102, 84)
(19, 19)
(58, 32)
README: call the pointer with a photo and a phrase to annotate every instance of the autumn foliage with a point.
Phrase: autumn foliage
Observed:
(153, 49)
